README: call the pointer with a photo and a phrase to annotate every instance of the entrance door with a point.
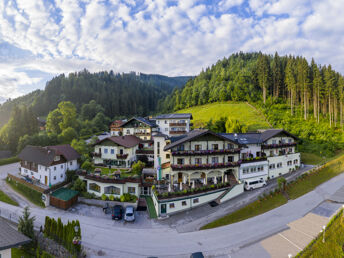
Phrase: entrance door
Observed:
(163, 208)
(180, 177)
(46, 180)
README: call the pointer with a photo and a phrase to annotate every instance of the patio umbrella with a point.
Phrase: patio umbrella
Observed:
(215, 180)
(180, 186)
(169, 187)
(184, 179)
(225, 179)
(204, 182)
(193, 184)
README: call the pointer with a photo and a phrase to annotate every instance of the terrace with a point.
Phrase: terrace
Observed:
(205, 166)
(106, 175)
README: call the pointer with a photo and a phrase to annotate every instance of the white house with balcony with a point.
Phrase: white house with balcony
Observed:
(116, 151)
(173, 124)
(48, 165)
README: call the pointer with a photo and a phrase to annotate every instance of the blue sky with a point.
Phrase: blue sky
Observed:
(40, 38)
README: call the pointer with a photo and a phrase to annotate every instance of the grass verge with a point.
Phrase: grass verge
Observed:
(299, 187)
(20, 253)
(150, 206)
(334, 239)
(8, 161)
(31, 194)
(5, 198)
(253, 209)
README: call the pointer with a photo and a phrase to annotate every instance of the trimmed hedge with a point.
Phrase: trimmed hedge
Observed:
(31, 194)
(9, 161)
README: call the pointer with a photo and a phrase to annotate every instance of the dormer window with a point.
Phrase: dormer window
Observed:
(57, 158)
(180, 147)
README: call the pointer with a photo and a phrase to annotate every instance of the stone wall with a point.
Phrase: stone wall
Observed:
(102, 203)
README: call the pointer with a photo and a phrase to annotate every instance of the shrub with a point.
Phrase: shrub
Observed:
(79, 185)
(111, 197)
(128, 198)
(104, 197)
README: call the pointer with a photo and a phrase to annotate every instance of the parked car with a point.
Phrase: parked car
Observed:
(197, 255)
(117, 212)
(253, 184)
(129, 214)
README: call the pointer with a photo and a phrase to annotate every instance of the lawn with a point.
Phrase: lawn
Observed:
(334, 240)
(311, 158)
(5, 198)
(253, 209)
(19, 253)
(240, 111)
(301, 186)
(8, 161)
(124, 172)
(150, 206)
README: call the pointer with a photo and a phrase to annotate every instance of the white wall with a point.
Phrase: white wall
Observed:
(235, 191)
(275, 172)
(165, 128)
(162, 154)
(251, 148)
(261, 174)
(5, 253)
(116, 150)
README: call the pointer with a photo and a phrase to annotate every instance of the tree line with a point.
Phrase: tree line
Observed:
(256, 77)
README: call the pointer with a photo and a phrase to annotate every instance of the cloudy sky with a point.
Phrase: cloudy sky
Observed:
(41, 38)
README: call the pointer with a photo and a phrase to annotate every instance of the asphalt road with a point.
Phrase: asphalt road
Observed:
(102, 234)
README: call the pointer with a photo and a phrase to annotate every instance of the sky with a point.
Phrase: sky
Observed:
(43, 38)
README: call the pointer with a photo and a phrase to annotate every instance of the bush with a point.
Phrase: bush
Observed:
(79, 185)
(128, 198)
(87, 165)
(111, 197)
(104, 197)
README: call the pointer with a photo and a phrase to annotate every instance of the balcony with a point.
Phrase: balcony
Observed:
(145, 152)
(251, 160)
(96, 154)
(278, 145)
(122, 156)
(177, 132)
(205, 166)
(177, 124)
(141, 134)
(205, 152)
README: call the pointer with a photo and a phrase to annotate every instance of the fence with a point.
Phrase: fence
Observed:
(22, 181)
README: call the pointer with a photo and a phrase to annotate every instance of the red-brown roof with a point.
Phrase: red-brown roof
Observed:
(126, 141)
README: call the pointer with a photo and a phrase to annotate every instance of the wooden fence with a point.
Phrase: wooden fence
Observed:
(22, 181)
(58, 203)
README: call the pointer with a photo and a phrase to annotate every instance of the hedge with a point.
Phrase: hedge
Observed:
(31, 194)
(8, 161)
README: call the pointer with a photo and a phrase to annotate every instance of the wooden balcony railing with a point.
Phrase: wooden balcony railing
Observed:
(122, 156)
(177, 124)
(278, 145)
(205, 166)
(205, 152)
(177, 132)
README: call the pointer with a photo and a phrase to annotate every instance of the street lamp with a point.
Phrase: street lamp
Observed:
(324, 228)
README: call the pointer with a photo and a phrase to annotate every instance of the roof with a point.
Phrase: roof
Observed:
(175, 141)
(174, 116)
(142, 120)
(267, 134)
(243, 138)
(126, 141)
(45, 155)
(159, 134)
(9, 237)
(256, 138)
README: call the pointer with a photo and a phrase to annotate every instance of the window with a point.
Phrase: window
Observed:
(105, 151)
(230, 158)
(71, 163)
(230, 146)
(279, 165)
(167, 156)
(296, 161)
(283, 140)
(45, 168)
(95, 187)
(272, 166)
(165, 122)
(196, 200)
(171, 204)
(56, 158)
(158, 148)
(112, 151)
(273, 141)
(198, 161)
(271, 153)
(61, 175)
(54, 168)
(131, 190)
(31, 173)
(214, 160)
(61, 166)
(198, 147)
(289, 140)
(121, 151)
(128, 131)
(158, 122)
(290, 162)
(166, 129)
(215, 146)
(183, 203)
(54, 177)
(180, 161)
(180, 147)
(290, 150)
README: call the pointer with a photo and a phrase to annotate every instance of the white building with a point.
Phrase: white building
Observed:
(118, 151)
(173, 124)
(48, 164)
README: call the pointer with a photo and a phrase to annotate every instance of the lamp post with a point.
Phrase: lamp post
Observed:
(324, 228)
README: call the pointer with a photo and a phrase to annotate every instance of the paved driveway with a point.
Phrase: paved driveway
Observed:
(102, 234)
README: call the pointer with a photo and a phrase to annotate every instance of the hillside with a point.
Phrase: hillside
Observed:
(240, 111)
(124, 94)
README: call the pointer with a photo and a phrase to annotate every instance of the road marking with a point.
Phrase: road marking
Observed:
(290, 242)
(302, 232)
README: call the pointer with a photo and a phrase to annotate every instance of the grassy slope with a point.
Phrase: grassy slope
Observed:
(241, 111)
(5, 198)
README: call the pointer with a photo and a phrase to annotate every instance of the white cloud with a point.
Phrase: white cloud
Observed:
(157, 37)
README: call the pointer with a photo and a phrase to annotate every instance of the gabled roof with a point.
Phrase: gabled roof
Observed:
(9, 237)
(174, 116)
(45, 155)
(142, 120)
(244, 138)
(127, 141)
(175, 141)
(159, 134)
(267, 134)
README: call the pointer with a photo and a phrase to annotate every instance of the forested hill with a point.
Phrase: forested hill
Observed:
(253, 77)
(125, 94)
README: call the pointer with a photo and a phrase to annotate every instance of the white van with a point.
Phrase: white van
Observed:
(254, 183)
